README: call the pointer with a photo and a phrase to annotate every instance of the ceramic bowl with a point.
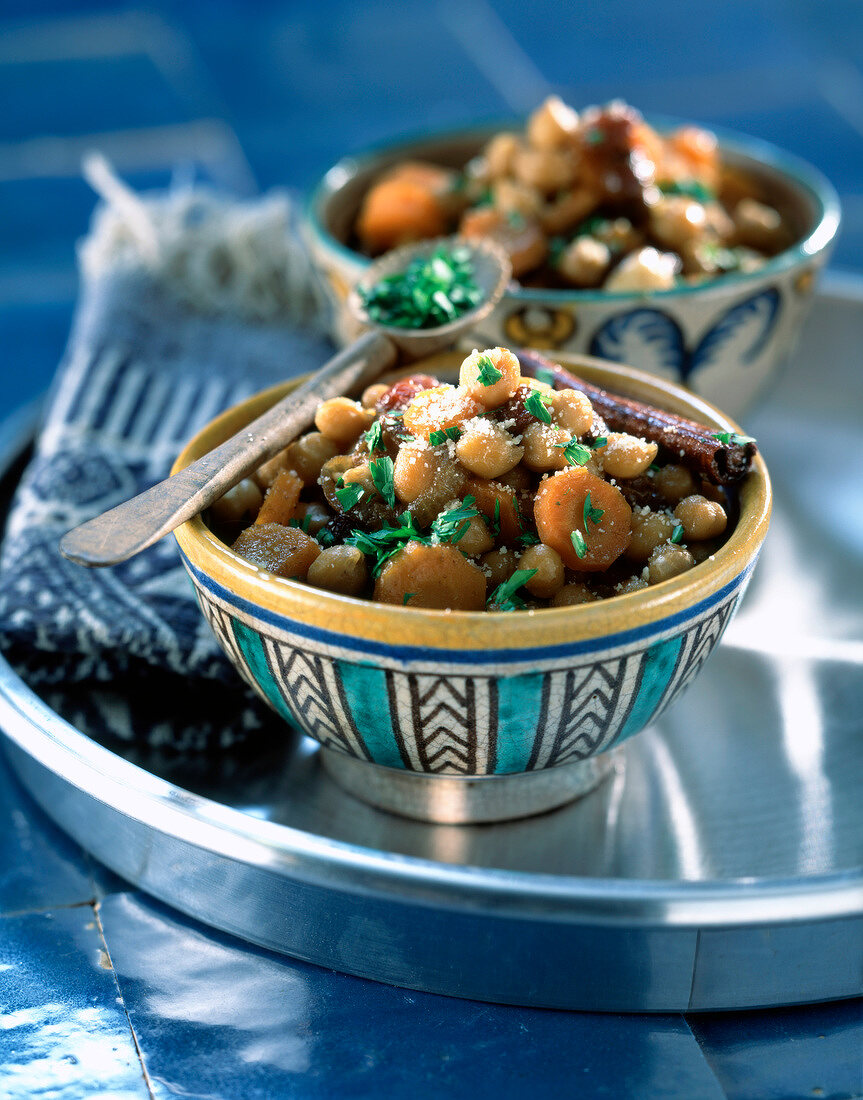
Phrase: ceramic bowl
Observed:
(469, 716)
(724, 338)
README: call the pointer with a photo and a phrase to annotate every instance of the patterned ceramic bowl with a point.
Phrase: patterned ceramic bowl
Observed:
(724, 338)
(457, 716)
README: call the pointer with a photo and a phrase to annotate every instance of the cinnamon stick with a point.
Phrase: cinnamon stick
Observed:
(686, 441)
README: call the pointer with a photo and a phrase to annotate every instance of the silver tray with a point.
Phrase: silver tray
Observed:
(721, 867)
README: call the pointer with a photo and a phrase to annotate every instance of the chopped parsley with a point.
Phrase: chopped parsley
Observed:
(383, 544)
(431, 291)
(373, 438)
(382, 476)
(488, 372)
(600, 441)
(528, 539)
(544, 374)
(349, 495)
(406, 597)
(504, 597)
(677, 534)
(494, 526)
(594, 136)
(692, 189)
(436, 438)
(732, 437)
(452, 525)
(536, 407)
(575, 453)
(591, 514)
(303, 524)
(578, 543)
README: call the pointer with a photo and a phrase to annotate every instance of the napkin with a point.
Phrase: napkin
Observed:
(190, 302)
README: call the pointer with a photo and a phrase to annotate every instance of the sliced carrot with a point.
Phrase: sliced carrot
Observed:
(281, 499)
(559, 511)
(514, 511)
(431, 576)
(398, 211)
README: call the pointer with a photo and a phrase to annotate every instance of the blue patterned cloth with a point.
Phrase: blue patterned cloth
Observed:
(143, 371)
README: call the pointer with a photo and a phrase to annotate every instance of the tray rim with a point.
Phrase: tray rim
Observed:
(154, 803)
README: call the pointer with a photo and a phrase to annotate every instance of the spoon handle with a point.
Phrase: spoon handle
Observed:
(131, 527)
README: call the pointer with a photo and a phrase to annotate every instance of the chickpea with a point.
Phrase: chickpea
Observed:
(342, 420)
(649, 530)
(243, 500)
(418, 468)
(308, 454)
(668, 561)
(585, 262)
(758, 226)
(572, 594)
(513, 197)
(552, 124)
(644, 270)
(265, 474)
(372, 394)
(701, 518)
(549, 576)
(626, 455)
(487, 450)
(360, 474)
(676, 221)
(541, 452)
(476, 539)
(567, 210)
(548, 170)
(339, 569)
(499, 566)
(572, 410)
(448, 484)
(483, 384)
(674, 482)
(524, 242)
(500, 155)
(311, 517)
(633, 584)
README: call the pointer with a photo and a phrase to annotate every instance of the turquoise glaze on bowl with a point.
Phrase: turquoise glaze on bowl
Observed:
(473, 694)
(456, 711)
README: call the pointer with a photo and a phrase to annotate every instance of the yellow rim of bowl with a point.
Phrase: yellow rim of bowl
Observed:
(481, 630)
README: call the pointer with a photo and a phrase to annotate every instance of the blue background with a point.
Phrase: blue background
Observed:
(104, 993)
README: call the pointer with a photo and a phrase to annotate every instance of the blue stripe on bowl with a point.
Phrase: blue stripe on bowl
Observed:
(657, 669)
(402, 653)
(518, 706)
(365, 688)
(252, 649)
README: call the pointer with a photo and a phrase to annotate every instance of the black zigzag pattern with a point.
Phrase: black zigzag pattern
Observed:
(590, 700)
(444, 709)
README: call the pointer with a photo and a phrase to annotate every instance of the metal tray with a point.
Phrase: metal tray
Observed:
(720, 868)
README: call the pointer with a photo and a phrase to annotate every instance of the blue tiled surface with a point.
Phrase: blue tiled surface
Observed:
(272, 98)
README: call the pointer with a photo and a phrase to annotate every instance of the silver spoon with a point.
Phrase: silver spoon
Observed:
(131, 527)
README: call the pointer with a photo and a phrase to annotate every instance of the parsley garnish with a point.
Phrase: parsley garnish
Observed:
(528, 539)
(600, 441)
(536, 407)
(436, 438)
(575, 453)
(452, 525)
(386, 542)
(431, 291)
(677, 534)
(303, 524)
(407, 596)
(382, 476)
(373, 438)
(692, 189)
(591, 514)
(349, 496)
(544, 374)
(504, 596)
(594, 136)
(488, 372)
(578, 543)
(732, 437)
(495, 523)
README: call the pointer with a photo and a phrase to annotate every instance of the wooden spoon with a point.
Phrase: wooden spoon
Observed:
(131, 527)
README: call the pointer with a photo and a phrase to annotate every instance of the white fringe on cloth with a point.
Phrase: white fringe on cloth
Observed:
(217, 254)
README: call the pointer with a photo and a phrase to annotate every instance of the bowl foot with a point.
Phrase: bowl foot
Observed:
(466, 800)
